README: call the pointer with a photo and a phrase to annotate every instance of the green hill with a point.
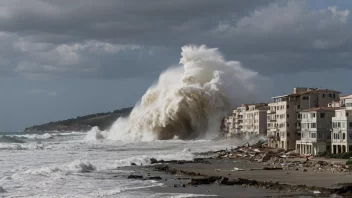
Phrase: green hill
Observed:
(82, 123)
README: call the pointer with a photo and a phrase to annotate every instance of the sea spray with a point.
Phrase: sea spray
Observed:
(188, 101)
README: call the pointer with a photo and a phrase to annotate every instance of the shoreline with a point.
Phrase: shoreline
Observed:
(268, 176)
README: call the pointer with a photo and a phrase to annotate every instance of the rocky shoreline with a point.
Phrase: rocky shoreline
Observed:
(255, 167)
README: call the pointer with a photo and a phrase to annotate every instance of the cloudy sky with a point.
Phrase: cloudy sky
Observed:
(64, 58)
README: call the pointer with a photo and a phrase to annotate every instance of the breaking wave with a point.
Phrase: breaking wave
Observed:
(188, 101)
(146, 160)
(77, 166)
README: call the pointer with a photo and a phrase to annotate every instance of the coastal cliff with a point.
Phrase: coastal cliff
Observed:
(82, 123)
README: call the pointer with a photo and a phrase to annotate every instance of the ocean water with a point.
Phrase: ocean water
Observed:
(68, 165)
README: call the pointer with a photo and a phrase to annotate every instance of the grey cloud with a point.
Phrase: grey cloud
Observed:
(290, 37)
(126, 38)
(121, 20)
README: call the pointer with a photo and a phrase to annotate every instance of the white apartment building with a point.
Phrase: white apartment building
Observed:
(315, 130)
(238, 115)
(255, 120)
(284, 112)
(341, 132)
(249, 119)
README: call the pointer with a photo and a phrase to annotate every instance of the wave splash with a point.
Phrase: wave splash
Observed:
(188, 101)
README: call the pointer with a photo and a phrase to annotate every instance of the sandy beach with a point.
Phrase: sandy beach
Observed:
(240, 177)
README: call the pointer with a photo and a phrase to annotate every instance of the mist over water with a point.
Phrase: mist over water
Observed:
(188, 101)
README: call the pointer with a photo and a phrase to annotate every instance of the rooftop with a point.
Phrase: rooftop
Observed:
(256, 104)
(308, 92)
(263, 108)
(322, 109)
(346, 96)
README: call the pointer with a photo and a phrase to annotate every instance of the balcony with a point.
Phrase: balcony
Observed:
(271, 111)
(274, 137)
(298, 127)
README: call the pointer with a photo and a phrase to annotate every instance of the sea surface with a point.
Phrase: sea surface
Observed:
(69, 165)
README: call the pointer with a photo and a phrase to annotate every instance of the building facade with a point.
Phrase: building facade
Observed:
(284, 117)
(255, 120)
(315, 130)
(238, 121)
(249, 119)
(341, 132)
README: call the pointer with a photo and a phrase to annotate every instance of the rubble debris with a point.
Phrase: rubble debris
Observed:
(135, 177)
(205, 180)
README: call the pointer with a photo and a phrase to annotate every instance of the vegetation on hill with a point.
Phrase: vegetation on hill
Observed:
(82, 123)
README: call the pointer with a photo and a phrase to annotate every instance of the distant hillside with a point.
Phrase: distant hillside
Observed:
(82, 123)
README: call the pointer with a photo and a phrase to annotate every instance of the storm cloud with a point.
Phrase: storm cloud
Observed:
(49, 41)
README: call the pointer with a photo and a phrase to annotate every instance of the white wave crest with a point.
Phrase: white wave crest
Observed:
(187, 101)
(146, 159)
(35, 136)
(13, 146)
(77, 166)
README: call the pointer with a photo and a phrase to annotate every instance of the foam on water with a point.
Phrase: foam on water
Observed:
(145, 159)
(46, 135)
(77, 168)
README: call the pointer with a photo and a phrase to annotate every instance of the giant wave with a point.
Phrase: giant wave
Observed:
(188, 101)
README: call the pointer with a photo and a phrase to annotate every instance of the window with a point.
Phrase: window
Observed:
(322, 115)
(298, 106)
(343, 125)
(305, 98)
(288, 125)
(333, 95)
(313, 115)
(288, 115)
(323, 95)
(288, 106)
(347, 114)
(350, 124)
(330, 95)
(313, 125)
(339, 124)
(344, 136)
(313, 135)
(299, 115)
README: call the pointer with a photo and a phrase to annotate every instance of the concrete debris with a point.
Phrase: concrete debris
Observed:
(279, 158)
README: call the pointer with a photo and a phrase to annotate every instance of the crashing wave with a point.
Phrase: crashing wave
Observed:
(77, 166)
(9, 139)
(187, 101)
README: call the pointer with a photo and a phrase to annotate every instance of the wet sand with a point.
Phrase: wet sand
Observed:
(225, 168)
(303, 182)
(178, 183)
